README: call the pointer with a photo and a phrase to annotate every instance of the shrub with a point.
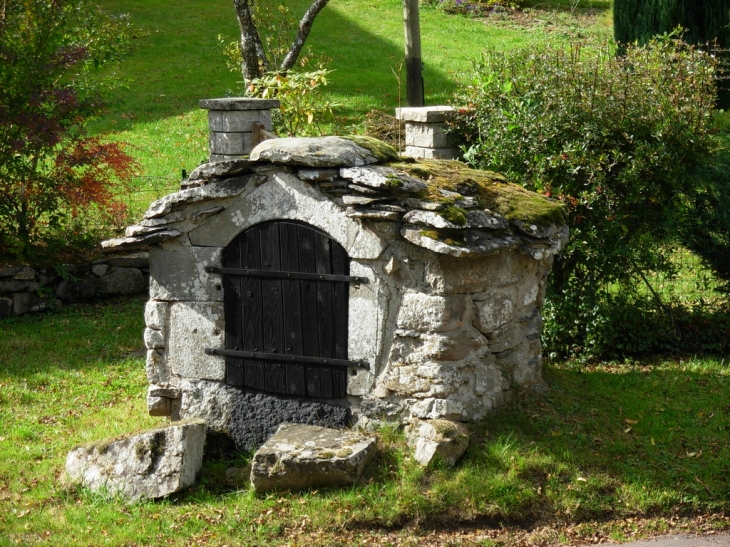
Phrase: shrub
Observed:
(51, 173)
(706, 23)
(303, 106)
(616, 139)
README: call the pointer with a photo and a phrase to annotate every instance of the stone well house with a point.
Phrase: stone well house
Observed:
(328, 281)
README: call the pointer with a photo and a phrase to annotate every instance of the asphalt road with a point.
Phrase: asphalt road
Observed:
(683, 540)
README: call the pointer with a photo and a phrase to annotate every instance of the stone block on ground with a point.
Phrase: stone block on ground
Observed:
(147, 465)
(305, 456)
(438, 439)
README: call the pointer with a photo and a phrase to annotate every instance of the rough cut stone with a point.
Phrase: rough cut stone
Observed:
(541, 232)
(100, 269)
(122, 243)
(155, 314)
(151, 464)
(179, 274)
(431, 219)
(122, 281)
(381, 177)
(156, 367)
(438, 439)
(226, 188)
(239, 103)
(13, 285)
(427, 135)
(28, 302)
(230, 144)
(432, 153)
(6, 308)
(140, 231)
(305, 456)
(354, 212)
(359, 200)
(10, 271)
(194, 326)
(238, 121)
(486, 219)
(313, 152)
(425, 114)
(153, 339)
(418, 238)
(432, 313)
(318, 175)
(25, 274)
(78, 291)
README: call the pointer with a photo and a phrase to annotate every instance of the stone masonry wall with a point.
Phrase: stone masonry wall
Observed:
(24, 289)
(449, 321)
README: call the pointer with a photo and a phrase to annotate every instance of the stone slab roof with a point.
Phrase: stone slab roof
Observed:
(440, 205)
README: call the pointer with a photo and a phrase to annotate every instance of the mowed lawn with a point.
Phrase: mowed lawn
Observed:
(177, 59)
(615, 450)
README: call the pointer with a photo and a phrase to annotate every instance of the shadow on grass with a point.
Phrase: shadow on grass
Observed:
(177, 59)
(73, 337)
(604, 444)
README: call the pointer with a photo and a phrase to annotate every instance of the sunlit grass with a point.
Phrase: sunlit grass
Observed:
(610, 441)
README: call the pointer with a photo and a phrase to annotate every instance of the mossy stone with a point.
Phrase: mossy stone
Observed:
(492, 191)
(384, 152)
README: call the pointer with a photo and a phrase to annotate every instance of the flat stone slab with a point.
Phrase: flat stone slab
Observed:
(239, 103)
(381, 178)
(425, 114)
(218, 170)
(147, 465)
(314, 152)
(306, 456)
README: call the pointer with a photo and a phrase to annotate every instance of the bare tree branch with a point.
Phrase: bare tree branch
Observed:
(254, 62)
(305, 25)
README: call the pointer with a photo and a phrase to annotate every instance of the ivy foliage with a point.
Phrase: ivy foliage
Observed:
(51, 172)
(619, 140)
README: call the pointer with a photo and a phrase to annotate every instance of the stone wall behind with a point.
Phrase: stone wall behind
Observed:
(25, 289)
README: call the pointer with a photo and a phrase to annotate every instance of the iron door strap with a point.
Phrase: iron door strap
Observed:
(246, 272)
(293, 358)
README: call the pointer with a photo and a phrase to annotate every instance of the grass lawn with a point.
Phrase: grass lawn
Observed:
(615, 450)
(177, 60)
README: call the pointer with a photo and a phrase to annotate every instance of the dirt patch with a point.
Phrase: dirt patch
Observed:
(578, 24)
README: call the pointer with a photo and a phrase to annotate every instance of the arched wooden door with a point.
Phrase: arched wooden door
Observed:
(286, 290)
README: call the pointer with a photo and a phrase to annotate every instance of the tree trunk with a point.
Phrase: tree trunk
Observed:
(254, 62)
(305, 26)
(414, 79)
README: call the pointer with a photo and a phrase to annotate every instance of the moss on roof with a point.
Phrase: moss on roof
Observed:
(384, 152)
(492, 191)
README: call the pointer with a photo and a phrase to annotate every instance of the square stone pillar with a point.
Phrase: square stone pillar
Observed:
(231, 122)
(426, 135)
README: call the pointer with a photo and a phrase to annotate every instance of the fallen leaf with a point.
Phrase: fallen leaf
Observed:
(631, 422)
(652, 442)
(627, 429)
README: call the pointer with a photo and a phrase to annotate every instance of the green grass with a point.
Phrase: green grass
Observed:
(176, 60)
(614, 443)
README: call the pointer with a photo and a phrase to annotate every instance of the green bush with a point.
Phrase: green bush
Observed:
(618, 139)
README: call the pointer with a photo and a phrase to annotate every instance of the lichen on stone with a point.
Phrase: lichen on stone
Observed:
(384, 152)
(492, 191)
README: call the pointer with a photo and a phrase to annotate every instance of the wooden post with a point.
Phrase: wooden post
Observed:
(414, 80)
